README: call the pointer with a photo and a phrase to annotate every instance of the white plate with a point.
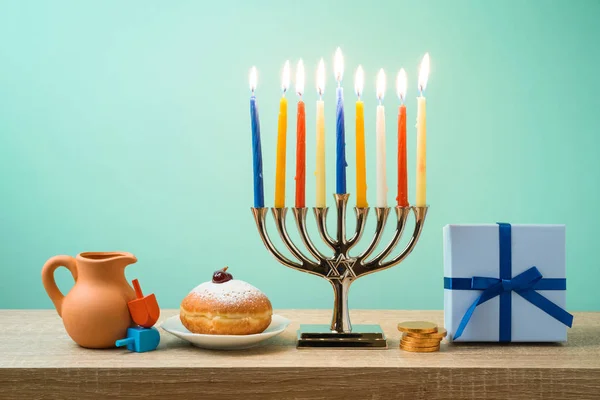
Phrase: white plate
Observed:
(174, 326)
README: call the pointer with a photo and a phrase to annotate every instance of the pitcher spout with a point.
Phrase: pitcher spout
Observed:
(126, 259)
(117, 258)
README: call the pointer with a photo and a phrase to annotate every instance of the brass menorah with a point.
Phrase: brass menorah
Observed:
(340, 269)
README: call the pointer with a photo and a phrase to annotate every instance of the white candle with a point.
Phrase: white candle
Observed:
(320, 171)
(380, 143)
(421, 180)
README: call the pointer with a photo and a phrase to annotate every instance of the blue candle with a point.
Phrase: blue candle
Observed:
(341, 144)
(339, 123)
(259, 193)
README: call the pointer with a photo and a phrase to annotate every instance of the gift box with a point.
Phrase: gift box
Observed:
(505, 283)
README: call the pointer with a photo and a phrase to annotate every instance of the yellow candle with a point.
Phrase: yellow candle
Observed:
(421, 181)
(281, 141)
(421, 152)
(361, 169)
(320, 171)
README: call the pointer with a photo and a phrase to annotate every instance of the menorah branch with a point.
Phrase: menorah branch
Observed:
(401, 215)
(321, 217)
(361, 221)
(381, 215)
(260, 219)
(279, 215)
(306, 265)
(300, 216)
(420, 214)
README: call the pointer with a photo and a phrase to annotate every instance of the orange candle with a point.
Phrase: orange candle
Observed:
(300, 140)
(402, 198)
(300, 156)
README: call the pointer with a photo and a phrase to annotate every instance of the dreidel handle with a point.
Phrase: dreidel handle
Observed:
(137, 288)
(124, 342)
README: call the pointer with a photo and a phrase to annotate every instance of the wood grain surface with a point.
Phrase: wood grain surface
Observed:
(38, 360)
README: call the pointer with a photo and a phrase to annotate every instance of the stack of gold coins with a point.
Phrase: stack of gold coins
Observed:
(420, 336)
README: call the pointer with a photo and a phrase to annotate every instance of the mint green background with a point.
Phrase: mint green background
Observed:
(124, 125)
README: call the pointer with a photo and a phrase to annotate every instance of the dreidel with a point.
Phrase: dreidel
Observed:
(140, 339)
(144, 310)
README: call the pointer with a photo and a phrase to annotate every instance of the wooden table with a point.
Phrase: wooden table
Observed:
(38, 360)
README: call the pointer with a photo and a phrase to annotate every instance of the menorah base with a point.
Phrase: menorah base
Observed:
(362, 336)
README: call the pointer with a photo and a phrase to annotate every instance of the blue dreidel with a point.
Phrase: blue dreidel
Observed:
(140, 339)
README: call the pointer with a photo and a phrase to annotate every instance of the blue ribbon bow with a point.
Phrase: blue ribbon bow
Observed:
(524, 284)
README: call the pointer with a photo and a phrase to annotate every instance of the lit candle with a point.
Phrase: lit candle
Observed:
(281, 138)
(361, 168)
(401, 84)
(300, 139)
(422, 134)
(320, 171)
(259, 194)
(380, 143)
(339, 124)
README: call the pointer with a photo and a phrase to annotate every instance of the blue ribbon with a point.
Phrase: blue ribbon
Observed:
(524, 284)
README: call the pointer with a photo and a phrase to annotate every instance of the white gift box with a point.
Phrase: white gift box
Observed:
(474, 251)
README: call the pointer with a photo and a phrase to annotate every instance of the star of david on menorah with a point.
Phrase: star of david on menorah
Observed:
(339, 267)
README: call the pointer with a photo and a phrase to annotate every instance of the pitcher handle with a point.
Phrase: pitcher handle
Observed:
(48, 278)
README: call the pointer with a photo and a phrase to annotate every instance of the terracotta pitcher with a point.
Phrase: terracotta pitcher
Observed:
(94, 312)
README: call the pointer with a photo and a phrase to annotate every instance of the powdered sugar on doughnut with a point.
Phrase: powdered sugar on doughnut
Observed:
(230, 292)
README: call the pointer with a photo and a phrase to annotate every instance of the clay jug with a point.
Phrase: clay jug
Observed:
(94, 311)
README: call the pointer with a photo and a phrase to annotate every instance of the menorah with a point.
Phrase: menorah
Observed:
(340, 269)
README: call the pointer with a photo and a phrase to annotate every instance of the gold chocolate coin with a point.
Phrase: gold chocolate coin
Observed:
(420, 342)
(441, 333)
(420, 349)
(417, 327)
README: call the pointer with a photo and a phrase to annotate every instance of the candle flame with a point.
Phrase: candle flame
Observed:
(380, 84)
(424, 73)
(285, 77)
(401, 84)
(338, 65)
(359, 81)
(321, 77)
(253, 78)
(300, 78)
